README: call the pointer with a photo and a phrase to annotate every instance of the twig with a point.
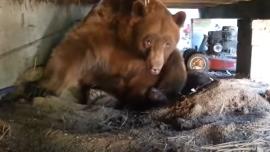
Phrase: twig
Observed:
(5, 130)
(222, 108)
(124, 121)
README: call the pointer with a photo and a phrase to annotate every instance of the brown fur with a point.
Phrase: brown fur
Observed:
(105, 51)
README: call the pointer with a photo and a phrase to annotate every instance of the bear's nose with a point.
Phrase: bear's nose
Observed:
(155, 71)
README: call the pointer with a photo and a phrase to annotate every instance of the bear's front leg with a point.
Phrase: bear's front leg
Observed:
(156, 96)
(173, 76)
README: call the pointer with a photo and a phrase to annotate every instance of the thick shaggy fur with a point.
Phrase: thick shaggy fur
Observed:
(107, 51)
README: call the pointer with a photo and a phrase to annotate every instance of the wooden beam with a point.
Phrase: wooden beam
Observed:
(198, 3)
(244, 48)
(177, 5)
(203, 1)
(174, 3)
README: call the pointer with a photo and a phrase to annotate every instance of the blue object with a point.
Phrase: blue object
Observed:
(6, 91)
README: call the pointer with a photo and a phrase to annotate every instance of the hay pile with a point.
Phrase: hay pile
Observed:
(228, 117)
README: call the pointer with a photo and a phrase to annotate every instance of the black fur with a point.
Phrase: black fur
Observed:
(196, 80)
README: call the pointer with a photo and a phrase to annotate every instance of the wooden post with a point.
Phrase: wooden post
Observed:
(244, 47)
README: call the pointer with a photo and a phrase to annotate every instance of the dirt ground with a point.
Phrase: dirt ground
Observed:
(230, 116)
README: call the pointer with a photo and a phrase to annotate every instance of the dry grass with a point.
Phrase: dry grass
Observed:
(257, 142)
(206, 121)
(246, 145)
(5, 129)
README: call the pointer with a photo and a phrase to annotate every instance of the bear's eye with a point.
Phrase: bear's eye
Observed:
(167, 44)
(147, 43)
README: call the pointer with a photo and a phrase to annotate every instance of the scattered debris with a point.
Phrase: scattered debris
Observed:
(227, 116)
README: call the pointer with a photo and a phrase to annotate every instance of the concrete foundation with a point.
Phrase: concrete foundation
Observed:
(28, 32)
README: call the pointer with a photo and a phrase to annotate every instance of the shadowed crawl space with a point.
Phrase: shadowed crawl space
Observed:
(228, 116)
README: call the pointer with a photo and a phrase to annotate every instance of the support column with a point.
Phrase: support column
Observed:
(244, 47)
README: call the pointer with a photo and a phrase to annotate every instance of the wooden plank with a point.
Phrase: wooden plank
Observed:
(244, 48)
(198, 3)
(179, 3)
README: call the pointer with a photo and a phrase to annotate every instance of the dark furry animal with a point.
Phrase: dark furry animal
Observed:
(197, 81)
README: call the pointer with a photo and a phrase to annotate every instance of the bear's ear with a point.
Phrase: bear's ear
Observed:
(179, 18)
(138, 8)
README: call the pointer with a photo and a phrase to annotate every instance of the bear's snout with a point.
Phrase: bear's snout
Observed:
(156, 61)
(155, 71)
(156, 66)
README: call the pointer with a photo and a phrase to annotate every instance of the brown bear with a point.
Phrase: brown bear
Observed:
(124, 47)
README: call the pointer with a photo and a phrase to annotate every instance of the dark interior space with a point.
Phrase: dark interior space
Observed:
(134, 75)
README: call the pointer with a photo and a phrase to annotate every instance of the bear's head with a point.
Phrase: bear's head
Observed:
(156, 32)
